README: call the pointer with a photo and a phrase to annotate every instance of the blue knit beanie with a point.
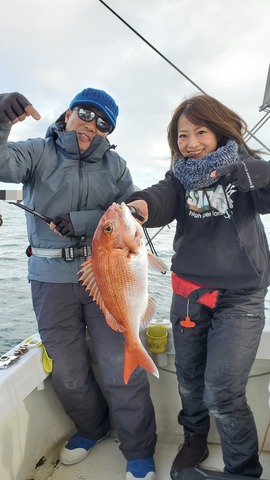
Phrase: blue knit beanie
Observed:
(99, 99)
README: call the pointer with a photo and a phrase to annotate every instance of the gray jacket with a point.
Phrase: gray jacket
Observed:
(58, 179)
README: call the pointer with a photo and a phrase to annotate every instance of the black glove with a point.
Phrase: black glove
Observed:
(63, 225)
(12, 106)
(247, 174)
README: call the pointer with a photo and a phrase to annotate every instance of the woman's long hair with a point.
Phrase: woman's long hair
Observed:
(204, 110)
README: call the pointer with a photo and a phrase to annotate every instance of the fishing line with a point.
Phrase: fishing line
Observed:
(171, 63)
(152, 46)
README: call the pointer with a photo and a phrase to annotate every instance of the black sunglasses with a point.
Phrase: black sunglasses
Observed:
(88, 116)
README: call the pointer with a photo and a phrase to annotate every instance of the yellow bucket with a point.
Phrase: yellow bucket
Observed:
(157, 338)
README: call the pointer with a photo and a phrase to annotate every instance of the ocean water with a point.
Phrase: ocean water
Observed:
(17, 318)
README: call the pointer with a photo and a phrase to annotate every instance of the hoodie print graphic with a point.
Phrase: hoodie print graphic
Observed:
(206, 202)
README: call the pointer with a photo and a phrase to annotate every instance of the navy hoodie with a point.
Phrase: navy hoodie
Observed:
(220, 239)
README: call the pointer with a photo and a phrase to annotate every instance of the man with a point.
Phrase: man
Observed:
(72, 176)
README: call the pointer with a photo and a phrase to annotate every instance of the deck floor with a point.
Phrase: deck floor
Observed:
(106, 462)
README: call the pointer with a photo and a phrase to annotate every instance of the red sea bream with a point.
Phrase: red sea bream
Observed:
(116, 275)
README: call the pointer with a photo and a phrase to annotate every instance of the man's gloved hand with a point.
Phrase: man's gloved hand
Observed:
(63, 225)
(14, 107)
(247, 174)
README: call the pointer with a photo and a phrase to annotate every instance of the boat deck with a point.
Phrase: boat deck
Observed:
(106, 462)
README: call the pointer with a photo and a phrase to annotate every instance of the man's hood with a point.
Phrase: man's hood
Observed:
(67, 141)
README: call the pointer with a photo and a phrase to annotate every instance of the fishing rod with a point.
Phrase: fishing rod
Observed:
(134, 211)
(48, 220)
(33, 212)
(170, 63)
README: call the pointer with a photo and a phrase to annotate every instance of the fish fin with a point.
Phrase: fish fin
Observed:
(149, 313)
(86, 268)
(156, 263)
(112, 322)
(89, 281)
(138, 357)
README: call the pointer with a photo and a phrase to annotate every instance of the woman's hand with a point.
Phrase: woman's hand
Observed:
(142, 208)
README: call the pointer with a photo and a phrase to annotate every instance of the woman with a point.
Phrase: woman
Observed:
(216, 189)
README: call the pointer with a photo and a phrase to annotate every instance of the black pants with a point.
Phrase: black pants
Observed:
(63, 312)
(213, 361)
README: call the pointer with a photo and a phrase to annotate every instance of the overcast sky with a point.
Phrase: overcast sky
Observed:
(51, 50)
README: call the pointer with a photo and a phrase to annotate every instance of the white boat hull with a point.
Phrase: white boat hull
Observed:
(33, 425)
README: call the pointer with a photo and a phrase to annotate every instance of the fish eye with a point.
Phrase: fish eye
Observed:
(108, 228)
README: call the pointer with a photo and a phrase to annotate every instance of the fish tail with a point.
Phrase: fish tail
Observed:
(138, 357)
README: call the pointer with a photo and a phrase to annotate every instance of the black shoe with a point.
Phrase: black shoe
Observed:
(193, 451)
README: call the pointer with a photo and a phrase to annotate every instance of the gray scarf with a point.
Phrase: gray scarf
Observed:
(195, 174)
